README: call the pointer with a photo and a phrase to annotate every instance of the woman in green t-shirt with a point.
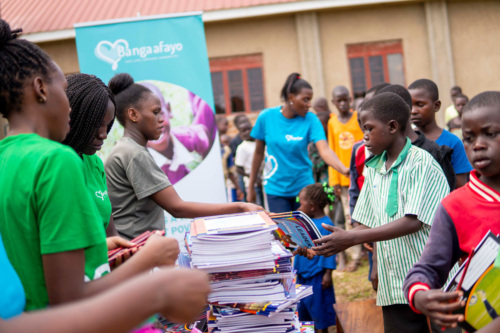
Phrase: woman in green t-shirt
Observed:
(52, 234)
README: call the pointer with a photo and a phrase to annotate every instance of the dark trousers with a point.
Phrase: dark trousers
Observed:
(278, 204)
(401, 318)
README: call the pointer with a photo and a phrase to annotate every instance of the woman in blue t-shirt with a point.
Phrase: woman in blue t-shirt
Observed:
(286, 130)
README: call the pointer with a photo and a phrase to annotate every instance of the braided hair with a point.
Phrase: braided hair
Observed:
(320, 194)
(127, 94)
(88, 97)
(293, 85)
(19, 61)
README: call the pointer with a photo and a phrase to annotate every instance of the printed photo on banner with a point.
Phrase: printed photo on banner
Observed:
(188, 134)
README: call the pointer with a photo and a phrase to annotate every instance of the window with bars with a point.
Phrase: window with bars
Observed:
(238, 84)
(373, 63)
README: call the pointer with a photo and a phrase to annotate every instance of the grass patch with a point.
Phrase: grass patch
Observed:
(353, 286)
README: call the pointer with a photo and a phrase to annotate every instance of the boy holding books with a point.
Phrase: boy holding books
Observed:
(463, 217)
(396, 206)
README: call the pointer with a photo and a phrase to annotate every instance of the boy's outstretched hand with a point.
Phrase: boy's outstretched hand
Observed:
(439, 305)
(336, 242)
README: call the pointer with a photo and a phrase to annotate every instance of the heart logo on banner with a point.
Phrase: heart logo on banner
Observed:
(108, 51)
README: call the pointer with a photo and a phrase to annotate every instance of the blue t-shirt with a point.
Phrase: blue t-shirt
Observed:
(12, 297)
(308, 268)
(288, 168)
(459, 159)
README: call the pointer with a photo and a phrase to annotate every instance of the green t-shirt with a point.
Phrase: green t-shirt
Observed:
(46, 208)
(93, 169)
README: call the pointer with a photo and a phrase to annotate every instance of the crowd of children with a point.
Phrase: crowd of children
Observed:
(410, 190)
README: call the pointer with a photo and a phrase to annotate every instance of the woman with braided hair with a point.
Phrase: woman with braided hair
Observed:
(53, 235)
(286, 130)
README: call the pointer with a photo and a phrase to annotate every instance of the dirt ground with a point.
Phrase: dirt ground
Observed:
(352, 286)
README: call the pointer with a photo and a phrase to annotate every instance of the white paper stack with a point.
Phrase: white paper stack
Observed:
(252, 279)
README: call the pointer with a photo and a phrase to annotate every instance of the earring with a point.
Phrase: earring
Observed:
(41, 100)
(134, 120)
(291, 103)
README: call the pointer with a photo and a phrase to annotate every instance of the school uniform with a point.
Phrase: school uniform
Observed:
(413, 185)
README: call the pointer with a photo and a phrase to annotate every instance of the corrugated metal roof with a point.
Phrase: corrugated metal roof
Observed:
(52, 15)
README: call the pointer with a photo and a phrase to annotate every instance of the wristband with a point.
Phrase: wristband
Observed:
(413, 290)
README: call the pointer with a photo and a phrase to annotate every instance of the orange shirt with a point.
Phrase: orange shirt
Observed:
(341, 138)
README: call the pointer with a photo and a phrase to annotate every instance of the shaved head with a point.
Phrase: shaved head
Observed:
(340, 90)
(320, 104)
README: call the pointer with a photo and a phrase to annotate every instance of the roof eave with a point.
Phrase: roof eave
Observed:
(234, 14)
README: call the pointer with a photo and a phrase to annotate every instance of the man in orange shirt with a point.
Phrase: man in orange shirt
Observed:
(343, 132)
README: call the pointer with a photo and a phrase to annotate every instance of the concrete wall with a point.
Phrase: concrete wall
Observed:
(64, 53)
(274, 37)
(475, 35)
(373, 24)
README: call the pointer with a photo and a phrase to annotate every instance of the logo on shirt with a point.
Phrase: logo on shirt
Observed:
(270, 167)
(346, 140)
(101, 195)
(290, 137)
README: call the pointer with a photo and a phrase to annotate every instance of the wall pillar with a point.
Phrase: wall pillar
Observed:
(443, 71)
(309, 44)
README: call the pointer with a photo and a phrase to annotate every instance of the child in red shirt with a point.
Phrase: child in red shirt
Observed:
(463, 217)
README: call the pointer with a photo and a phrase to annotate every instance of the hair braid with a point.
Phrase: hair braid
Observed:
(19, 61)
(88, 97)
(320, 194)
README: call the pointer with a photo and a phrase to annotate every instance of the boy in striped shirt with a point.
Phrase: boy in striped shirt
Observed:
(396, 207)
(463, 217)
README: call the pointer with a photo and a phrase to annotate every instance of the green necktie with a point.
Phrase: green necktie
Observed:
(377, 162)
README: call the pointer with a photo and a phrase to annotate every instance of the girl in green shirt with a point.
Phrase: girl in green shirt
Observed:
(53, 236)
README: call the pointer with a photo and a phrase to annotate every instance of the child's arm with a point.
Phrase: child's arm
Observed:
(240, 170)
(64, 271)
(331, 158)
(421, 285)
(169, 200)
(258, 157)
(353, 186)
(340, 240)
(327, 281)
(439, 305)
(119, 309)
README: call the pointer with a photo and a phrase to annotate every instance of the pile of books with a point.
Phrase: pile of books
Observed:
(251, 274)
(478, 278)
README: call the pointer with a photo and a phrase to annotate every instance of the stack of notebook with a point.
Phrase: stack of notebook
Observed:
(252, 279)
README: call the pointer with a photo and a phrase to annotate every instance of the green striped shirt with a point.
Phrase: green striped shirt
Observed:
(421, 186)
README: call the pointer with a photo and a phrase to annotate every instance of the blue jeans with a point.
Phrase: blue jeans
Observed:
(279, 204)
